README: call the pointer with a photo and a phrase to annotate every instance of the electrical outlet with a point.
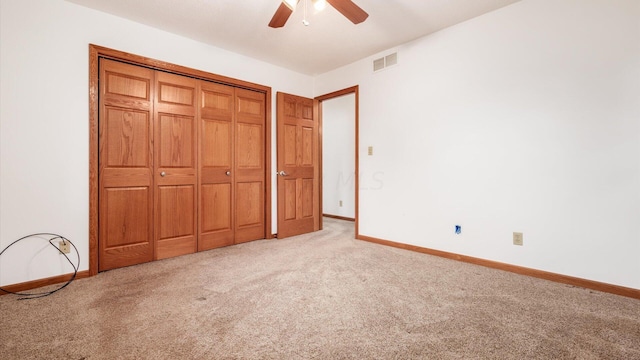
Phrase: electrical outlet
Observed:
(340, 203)
(64, 246)
(517, 238)
(370, 150)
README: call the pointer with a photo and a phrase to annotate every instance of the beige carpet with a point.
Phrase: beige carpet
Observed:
(318, 296)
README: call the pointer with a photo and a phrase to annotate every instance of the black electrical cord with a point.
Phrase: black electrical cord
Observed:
(26, 296)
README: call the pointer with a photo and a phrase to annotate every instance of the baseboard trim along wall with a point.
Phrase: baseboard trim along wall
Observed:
(339, 217)
(29, 285)
(564, 279)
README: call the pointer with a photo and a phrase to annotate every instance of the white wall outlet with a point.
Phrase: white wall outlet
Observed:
(64, 246)
(517, 238)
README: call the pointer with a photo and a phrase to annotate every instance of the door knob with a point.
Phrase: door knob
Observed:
(163, 174)
(282, 173)
(228, 173)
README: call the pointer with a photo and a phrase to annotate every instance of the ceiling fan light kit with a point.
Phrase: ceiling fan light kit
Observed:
(319, 4)
(346, 7)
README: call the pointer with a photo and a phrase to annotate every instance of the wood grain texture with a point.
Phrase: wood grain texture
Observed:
(33, 284)
(559, 278)
(217, 144)
(100, 51)
(350, 10)
(176, 141)
(281, 16)
(249, 170)
(298, 150)
(94, 92)
(97, 52)
(125, 218)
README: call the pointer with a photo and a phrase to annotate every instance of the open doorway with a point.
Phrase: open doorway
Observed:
(339, 138)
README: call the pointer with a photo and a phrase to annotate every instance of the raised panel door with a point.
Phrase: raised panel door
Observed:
(125, 180)
(175, 170)
(249, 168)
(216, 166)
(298, 169)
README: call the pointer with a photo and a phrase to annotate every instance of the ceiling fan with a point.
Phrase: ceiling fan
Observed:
(346, 7)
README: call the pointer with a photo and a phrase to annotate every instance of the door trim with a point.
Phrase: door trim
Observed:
(350, 90)
(96, 52)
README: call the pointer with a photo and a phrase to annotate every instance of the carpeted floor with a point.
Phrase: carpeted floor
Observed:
(318, 296)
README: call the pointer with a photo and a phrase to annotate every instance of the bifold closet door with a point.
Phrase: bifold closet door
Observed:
(232, 165)
(216, 165)
(175, 144)
(182, 165)
(126, 192)
(249, 165)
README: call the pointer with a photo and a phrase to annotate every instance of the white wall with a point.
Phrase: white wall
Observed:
(338, 155)
(44, 134)
(524, 119)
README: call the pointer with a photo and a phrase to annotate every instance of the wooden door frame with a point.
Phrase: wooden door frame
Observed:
(350, 90)
(95, 53)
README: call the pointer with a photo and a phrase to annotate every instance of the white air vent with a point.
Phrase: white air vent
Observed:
(391, 59)
(385, 62)
(378, 64)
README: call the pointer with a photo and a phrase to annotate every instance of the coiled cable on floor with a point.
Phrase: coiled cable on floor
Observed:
(26, 296)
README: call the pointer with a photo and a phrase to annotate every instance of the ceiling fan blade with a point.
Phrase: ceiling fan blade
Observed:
(350, 10)
(281, 16)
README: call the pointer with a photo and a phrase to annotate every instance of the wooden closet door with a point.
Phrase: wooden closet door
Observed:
(249, 166)
(125, 165)
(175, 143)
(216, 184)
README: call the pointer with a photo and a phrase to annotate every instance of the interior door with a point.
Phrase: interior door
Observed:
(216, 165)
(298, 165)
(125, 165)
(175, 144)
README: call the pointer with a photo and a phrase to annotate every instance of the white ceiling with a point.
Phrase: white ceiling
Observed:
(329, 42)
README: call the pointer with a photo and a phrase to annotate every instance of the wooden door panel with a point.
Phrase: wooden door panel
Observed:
(290, 196)
(126, 140)
(250, 215)
(125, 239)
(298, 186)
(216, 144)
(125, 181)
(250, 105)
(249, 168)
(177, 142)
(307, 204)
(175, 204)
(289, 145)
(216, 166)
(249, 140)
(249, 193)
(174, 93)
(127, 220)
(216, 207)
(306, 152)
(126, 81)
(175, 145)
